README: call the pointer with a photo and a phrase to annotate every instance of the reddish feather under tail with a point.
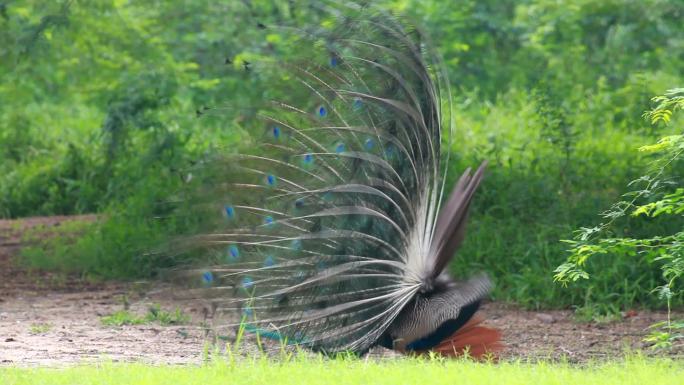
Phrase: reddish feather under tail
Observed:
(479, 341)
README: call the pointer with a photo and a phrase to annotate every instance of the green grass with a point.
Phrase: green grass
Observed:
(40, 328)
(355, 371)
(154, 314)
(121, 318)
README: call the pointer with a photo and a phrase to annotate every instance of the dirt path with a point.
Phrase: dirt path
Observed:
(53, 320)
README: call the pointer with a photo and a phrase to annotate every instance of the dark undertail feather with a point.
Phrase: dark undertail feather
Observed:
(448, 328)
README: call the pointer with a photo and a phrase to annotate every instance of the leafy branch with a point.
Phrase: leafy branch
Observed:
(659, 195)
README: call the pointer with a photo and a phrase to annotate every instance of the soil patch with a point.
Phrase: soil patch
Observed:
(51, 319)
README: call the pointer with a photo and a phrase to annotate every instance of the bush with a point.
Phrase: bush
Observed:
(108, 104)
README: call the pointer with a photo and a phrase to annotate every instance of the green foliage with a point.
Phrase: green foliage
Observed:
(106, 105)
(664, 334)
(659, 195)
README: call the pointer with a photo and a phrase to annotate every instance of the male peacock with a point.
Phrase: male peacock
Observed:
(331, 231)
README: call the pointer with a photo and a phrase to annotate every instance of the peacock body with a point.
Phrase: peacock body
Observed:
(330, 231)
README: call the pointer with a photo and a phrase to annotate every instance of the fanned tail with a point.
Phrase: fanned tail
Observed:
(327, 229)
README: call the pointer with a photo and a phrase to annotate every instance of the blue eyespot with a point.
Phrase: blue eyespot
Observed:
(369, 144)
(230, 211)
(333, 61)
(268, 221)
(269, 261)
(207, 278)
(308, 159)
(299, 203)
(357, 104)
(339, 148)
(296, 244)
(271, 180)
(233, 253)
(322, 112)
(276, 132)
(390, 151)
(247, 282)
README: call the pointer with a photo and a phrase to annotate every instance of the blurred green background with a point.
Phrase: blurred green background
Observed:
(98, 105)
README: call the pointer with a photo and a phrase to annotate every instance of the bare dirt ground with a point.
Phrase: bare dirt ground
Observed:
(49, 319)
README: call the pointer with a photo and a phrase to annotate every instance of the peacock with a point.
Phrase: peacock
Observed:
(332, 230)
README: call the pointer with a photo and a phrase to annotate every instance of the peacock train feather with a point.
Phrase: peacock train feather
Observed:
(331, 231)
